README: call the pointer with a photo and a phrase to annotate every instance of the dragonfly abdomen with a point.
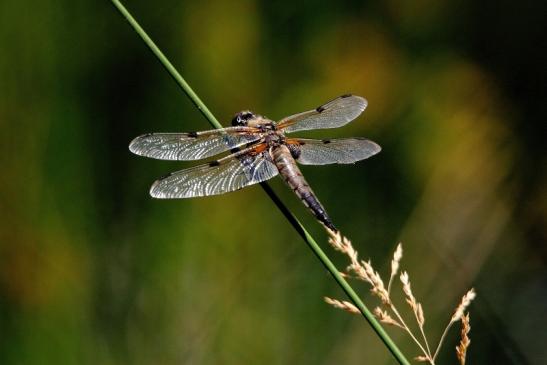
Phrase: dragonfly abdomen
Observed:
(291, 174)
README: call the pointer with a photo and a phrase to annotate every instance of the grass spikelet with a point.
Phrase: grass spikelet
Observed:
(342, 304)
(395, 262)
(416, 308)
(342, 244)
(461, 349)
(384, 317)
(410, 299)
(464, 303)
(420, 315)
(376, 281)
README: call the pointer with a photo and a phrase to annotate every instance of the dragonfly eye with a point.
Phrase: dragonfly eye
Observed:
(242, 118)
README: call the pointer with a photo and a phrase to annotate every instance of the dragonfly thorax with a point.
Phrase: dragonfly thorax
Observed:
(274, 139)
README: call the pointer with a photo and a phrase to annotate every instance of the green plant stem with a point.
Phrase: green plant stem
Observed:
(312, 244)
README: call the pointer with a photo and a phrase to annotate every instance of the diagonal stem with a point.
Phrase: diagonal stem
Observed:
(410, 333)
(442, 339)
(312, 244)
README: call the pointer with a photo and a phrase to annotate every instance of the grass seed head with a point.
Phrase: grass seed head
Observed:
(464, 303)
(461, 349)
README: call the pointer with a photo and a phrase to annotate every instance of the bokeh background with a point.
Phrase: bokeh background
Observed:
(94, 271)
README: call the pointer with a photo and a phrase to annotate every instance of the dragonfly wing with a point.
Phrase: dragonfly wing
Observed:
(329, 151)
(192, 146)
(231, 173)
(334, 114)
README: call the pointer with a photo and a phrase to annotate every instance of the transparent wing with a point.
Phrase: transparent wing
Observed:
(231, 173)
(193, 145)
(333, 114)
(328, 151)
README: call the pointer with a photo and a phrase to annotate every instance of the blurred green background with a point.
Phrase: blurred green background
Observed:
(94, 271)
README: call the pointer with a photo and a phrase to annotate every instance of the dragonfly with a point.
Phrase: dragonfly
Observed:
(259, 151)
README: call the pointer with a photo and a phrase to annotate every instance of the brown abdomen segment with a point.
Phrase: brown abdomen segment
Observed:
(293, 177)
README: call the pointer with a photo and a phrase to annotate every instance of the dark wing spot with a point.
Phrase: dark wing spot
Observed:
(326, 141)
(192, 134)
(346, 96)
(234, 150)
(214, 163)
(320, 109)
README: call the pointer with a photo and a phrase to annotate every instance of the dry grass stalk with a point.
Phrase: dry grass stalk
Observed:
(384, 317)
(466, 300)
(395, 263)
(458, 313)
(363, 270)
(342, 304)
(415, 306)
(376, 282)
(461, 349)
(389, 314)
(410, 299)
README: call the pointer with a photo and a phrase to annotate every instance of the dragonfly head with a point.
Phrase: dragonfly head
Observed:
(242, 118)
